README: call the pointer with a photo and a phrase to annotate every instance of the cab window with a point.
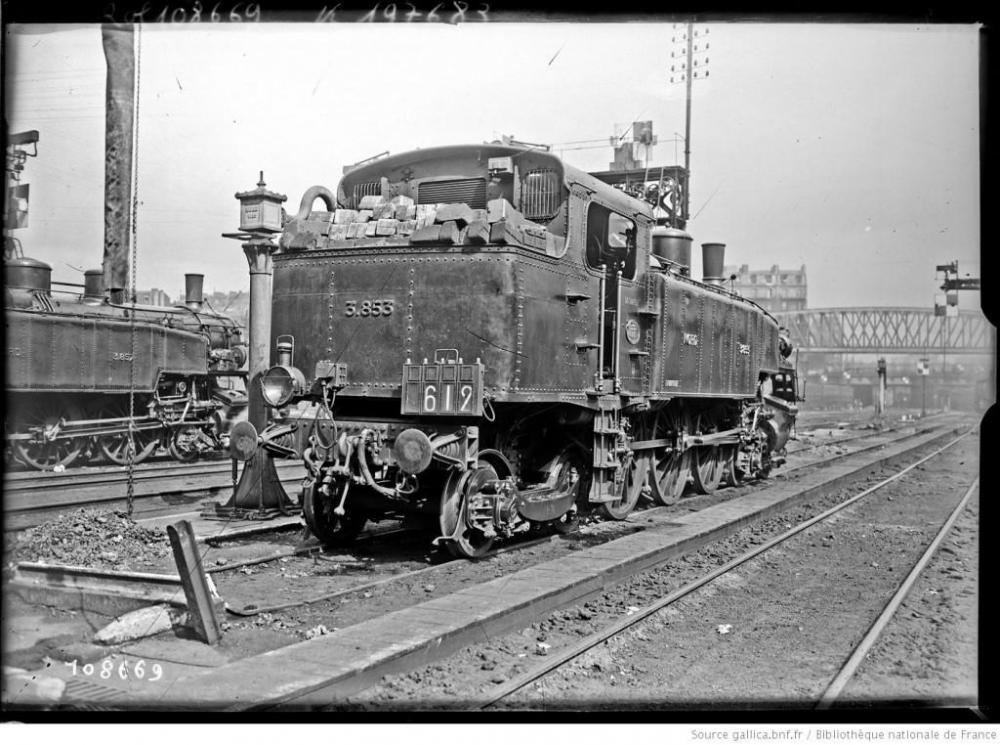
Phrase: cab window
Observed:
(611, 240)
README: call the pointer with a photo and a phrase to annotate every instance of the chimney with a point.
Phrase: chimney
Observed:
(712, 259)
(192, 290)
(93, 286)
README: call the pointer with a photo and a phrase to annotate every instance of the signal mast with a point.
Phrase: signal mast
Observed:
(15, 206)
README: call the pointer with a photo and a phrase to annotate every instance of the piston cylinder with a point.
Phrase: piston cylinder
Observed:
(673, 246)
(713, 257)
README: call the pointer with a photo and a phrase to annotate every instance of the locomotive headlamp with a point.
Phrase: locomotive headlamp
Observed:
(284, 380)
(280, 384)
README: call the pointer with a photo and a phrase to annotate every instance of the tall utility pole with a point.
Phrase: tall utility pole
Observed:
(694, 65)
(687, 120)
(119, 154)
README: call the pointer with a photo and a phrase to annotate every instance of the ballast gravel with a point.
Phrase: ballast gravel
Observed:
(101, 539)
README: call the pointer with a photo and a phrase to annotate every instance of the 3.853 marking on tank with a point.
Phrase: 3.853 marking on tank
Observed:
(368, 308)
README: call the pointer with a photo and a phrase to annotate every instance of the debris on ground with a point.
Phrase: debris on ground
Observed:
(148, 621)
(101, 539)
(315, 631)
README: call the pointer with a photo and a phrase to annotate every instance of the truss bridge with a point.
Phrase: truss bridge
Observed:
(888, 330)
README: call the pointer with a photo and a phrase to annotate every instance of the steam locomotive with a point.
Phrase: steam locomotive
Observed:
(491, 338)
(79, 365)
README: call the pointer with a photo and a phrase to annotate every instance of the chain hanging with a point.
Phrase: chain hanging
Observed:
(134, 207)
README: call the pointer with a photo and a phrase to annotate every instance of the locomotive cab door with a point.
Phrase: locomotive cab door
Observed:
(611, 244)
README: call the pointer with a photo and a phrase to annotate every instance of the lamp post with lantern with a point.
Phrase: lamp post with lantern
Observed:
(260, 221)
(259, 492)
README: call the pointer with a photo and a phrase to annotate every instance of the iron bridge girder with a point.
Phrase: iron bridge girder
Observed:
(883, 330)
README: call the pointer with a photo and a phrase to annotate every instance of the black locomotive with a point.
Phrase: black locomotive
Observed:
(71, 382)
(487, 335)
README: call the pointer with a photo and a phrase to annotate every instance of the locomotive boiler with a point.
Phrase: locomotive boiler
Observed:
(489, 337)
(79, 364)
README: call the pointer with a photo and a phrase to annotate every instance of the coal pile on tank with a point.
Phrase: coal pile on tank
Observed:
(100, 539)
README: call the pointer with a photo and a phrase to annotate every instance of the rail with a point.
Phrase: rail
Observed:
(591, 641)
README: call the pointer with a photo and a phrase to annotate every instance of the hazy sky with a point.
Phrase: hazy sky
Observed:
(852, 149)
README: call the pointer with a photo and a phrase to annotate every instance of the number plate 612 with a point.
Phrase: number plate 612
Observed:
(443, 389)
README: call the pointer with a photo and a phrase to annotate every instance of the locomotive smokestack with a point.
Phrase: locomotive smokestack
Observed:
(193, 297)
(93, 286)
(712, 260)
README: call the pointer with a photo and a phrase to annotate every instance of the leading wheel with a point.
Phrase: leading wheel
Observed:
(668, 470)
(115, 447)
(467, 542)
(46, 455)
(330, 528)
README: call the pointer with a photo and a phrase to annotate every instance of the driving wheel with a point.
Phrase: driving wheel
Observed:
(707, 467)
(668, 470)
(114, 447)
(45, 455)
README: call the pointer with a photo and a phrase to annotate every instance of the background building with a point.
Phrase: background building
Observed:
(774, 289)
(154, 296)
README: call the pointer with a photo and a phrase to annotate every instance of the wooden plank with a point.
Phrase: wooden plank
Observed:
(194, 581)
(575, 565)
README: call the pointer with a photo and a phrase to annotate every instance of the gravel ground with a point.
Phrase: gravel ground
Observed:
(102, 539)
(793, 617)
(87, 541)
(929, 649)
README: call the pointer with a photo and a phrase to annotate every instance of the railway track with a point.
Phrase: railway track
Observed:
(33, 497)
(831, 691)
(391, 573)
(412, 550)
(448, 584)
(30, 499)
